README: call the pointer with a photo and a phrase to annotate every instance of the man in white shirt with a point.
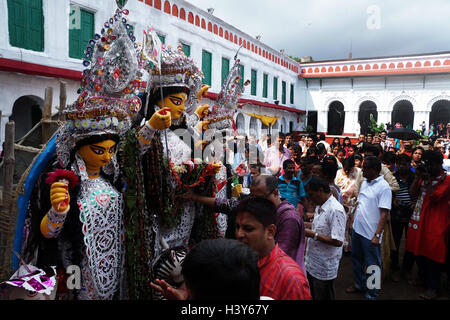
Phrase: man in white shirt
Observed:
(374, 203)
(326, 144)
(324, 248)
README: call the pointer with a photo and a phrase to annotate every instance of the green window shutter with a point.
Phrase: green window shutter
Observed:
(283, 92)
(26, 24)
(225, 69)
(253, 83)
(206, 67)
(241, 81)
(275, 88)
(292, 94)
(186, 49)
(265, 80)
(17, 22)
(36, 26)
(79, 38)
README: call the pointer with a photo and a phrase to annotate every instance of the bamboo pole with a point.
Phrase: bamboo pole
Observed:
(1, 124)
(9, 159)
(62, 99)
(6, 216)
(47, 115)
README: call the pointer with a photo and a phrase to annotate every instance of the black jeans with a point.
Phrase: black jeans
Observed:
(430, 272)
(321, 289)
(408, 257)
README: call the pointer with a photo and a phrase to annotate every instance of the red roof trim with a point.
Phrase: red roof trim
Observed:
(375, 72)
(10, 65)
(213, 96)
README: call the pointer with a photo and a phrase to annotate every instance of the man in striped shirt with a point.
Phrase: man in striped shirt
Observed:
(281, 277)
(291, 189)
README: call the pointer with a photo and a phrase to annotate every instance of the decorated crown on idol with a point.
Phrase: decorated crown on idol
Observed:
(170, 67)
(220, 115)
(109, 87)
(116, 65)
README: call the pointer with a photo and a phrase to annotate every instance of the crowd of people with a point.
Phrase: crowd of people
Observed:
(324, 199)
(120, 193)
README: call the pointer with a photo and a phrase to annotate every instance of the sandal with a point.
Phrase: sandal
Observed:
(352, 289)
(429, 295)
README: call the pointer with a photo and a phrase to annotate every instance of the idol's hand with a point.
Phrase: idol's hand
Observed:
(201, 143)
(161, 119)
(202, 111)
(203, 91)
(237, 190)
(202, 125)
(217, 166)
(59, 196)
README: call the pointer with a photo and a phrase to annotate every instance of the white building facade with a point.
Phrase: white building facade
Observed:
(406, 89)
(42, 42)
(211, 42)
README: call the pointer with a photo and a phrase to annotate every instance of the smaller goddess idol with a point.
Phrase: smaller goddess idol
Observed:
(75, 215)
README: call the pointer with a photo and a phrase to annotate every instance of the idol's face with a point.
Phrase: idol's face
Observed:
(98, 154)
(176, 103)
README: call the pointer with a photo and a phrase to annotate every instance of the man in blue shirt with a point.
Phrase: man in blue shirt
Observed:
(291, 189)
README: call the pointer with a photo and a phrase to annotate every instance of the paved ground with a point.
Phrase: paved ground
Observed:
(389, 289)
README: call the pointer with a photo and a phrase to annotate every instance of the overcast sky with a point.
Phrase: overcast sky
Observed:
(325, 29)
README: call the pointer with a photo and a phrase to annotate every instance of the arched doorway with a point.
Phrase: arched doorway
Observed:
(240, 124)
(26, 113)
(312, 121)
(336, 118)
(366, 109)
(283, 125)
(440, 113)
(254, 127)
(403, 113)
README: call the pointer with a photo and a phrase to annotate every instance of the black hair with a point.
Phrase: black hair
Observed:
(290, 145)
(417, 148)
(281, 135)
(320, 147)
(96, 139)
(369, 148)
(322, 136)
(297, 148)
(309, 160)
(341, 150)
(312, 136)
(270, 181)
(345, 139)
(432, 156)
(373, 162)
(349, 162)
(402, 157)
(357, 156)
(389, 157)
(317, 183)
(261, 209)
(311, 150)
(222, 269)
(329, 169)
(287, 162)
